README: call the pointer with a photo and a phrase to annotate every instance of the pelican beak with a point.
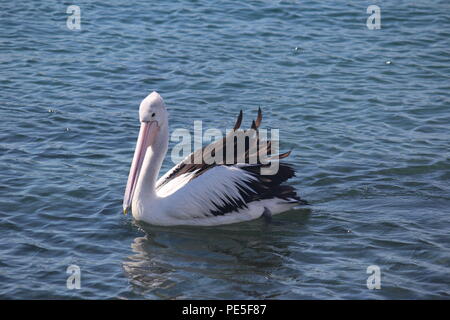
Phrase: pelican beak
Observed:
(147, 135)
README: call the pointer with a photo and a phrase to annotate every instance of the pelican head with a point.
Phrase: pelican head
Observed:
(153, 116)
(152, 108)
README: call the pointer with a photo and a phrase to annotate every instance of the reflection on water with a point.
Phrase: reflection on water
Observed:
(167, 261)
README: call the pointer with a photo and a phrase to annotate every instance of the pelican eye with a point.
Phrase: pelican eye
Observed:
(153, 114)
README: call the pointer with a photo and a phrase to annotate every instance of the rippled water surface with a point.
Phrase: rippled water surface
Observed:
(366, 113)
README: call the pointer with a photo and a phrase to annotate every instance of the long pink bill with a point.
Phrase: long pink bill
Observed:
(147, 135)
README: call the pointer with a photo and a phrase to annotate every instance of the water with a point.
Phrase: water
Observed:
(366, 113)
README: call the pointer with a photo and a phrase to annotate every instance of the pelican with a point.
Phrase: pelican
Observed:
(201, 194)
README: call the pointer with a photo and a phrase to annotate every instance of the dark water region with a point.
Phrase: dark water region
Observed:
(366, 113)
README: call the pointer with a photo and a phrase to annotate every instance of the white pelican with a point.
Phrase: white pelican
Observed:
(200, 194)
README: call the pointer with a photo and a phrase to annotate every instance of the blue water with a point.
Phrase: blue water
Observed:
(366, 113)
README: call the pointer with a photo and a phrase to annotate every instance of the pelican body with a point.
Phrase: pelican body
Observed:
(201, 194)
